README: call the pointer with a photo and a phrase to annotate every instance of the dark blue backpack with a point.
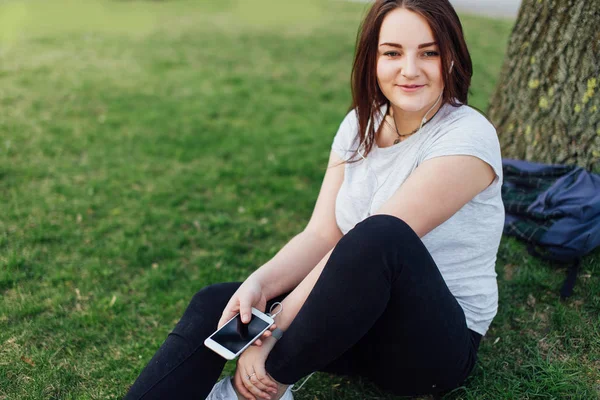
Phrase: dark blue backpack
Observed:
(556, 209)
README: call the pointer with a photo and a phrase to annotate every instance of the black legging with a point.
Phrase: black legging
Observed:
(380, 309)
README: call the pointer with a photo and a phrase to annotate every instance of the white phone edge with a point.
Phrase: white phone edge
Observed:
(225, 353)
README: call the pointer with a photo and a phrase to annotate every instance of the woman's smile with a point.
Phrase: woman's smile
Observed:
(410, 88)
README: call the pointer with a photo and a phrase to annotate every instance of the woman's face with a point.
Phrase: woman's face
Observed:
(409, 69)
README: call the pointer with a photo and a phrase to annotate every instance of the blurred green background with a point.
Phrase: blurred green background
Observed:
(148, 149)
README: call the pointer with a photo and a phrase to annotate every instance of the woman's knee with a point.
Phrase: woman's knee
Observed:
(386, 226)
(380, 242)
(205, 309)
(381, 233)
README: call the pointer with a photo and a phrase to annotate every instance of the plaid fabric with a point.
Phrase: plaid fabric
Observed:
(556, 209)
(520, 189)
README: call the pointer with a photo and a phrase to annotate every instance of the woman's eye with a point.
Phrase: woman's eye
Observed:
(391, 54)
(431, 54)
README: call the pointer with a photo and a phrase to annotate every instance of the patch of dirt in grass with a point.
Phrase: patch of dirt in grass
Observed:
(7, 351)
(552, 349)
(10, 294)
(576, 304)
(509, 271)
(541, 318)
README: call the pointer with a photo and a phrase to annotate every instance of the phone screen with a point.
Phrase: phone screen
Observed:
(235, 335)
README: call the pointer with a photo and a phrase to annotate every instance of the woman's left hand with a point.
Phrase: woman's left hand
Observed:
(252, 363)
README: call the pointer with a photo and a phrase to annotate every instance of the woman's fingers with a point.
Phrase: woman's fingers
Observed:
(252, 384)
(245, 310)
(257, 382)
(238, 382)
(230, 311)
(264, 378)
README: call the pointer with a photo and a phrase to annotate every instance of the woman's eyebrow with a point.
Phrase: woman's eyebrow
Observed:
(400, 46)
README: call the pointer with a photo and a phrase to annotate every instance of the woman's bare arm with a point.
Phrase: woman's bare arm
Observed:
(437, 189)
(295, 300)
(303, 252)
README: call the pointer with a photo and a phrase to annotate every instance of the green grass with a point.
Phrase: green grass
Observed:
(150, 149)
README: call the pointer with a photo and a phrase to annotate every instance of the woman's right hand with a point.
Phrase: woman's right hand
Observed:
(248, 295)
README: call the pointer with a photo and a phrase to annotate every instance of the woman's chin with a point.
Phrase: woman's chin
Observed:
(410, 106)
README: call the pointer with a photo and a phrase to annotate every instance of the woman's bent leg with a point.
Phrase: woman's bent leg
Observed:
(421, 343)
(183, 368)
(382, 303)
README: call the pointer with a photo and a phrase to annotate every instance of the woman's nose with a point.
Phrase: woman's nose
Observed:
(410, 68)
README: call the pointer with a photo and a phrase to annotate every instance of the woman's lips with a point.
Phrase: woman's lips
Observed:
(410, 88)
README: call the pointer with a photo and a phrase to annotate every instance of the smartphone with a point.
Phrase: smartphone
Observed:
(235, 336)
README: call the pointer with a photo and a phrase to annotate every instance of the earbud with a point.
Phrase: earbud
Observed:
(451, 66)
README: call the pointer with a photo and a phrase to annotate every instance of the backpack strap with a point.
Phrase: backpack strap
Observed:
(572, 270)
(569, 283)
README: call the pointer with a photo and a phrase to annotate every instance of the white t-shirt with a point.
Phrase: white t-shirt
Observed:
(465, 246)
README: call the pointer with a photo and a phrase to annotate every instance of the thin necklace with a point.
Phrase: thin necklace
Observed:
(401, 136)
(413, 132)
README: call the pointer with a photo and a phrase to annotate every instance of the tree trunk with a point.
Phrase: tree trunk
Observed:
(546, 106)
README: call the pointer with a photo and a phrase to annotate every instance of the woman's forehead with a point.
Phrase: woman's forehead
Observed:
(405, 28)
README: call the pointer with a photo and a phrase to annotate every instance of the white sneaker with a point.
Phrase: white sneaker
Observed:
(223, 390)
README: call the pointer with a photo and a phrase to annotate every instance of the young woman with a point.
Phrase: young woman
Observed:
(393, 278)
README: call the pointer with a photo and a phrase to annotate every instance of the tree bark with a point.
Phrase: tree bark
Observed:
(546, 106)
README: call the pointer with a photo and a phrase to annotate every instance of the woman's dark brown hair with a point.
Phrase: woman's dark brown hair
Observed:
(367, 97)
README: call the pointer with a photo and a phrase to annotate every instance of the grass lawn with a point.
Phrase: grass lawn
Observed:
(150, 149)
